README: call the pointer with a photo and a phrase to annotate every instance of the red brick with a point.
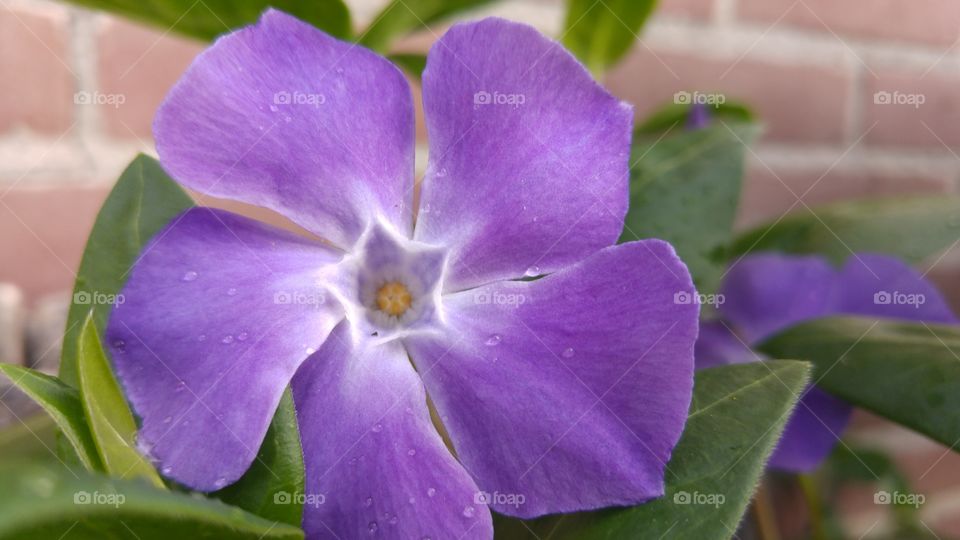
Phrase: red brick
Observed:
(44, 232)
(796, 103)
(140, 64)
(689, 9)
(932, 123)
(934, 22)
(35, 80)
(766, 196)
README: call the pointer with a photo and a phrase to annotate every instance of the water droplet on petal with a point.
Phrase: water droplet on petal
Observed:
(166, 471)
(372, 527)
(219, 483)
(533, 271)
(310, 350)
(431, 492)
(368, 502)
(168, 419)
(228, 339)
(376, 428)
(393, 520)
(411, 452)
(120, 346)
(231, 291)
(274, 108)
(468, 511)
(493, 340)
(412, 500)
(189, 276)
(567, 353)
(242, 336)
(202, 337)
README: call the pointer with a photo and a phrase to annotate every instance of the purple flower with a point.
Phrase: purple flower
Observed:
(558, 394)
(764, 294)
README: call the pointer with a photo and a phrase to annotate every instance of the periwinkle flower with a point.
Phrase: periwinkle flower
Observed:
(767, 293)
(562, 393)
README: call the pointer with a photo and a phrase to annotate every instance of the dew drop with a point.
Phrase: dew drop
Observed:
(377, 428)
(168, 419)
(468, 511)
(228, 339)
(231, 291)
(219, 483)
(393, 520)
(166, 471)
(310, 350)
(494, 340)
(368, 502)
(532, 271)
(242, 336)
(120, 346)
(202, 337)
(372, 527)
(411, 452)
(189, 276)
(412, 500)
(431, 492)
(274, 108)
(567, 353)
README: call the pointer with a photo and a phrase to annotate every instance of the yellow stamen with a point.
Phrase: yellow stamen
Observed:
(394, 298)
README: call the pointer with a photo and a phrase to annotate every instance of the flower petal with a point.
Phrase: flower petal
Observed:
(811, 433)
(718, 346)
(215, 319)
(568, 392)
(528, 155)
(884, 286)
(766, 293)
(372, 455)
(281, 115)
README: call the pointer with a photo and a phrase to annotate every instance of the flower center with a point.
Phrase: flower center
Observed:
(394, 298)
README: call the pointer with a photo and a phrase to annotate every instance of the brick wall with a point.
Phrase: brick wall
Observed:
(810, 68)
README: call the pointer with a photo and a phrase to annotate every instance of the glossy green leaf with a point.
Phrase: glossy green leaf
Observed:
(911, 228)
(63, 404)
(44, 501)
(400, 17)
(111, 423)
(907, 372)
(599, 33)
(684, 188)
(674, 116)
(273, 487)
(208, 19)
(736, 417)
(144, 200)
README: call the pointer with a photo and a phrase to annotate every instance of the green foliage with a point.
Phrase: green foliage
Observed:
(600, 33)
(402, 16)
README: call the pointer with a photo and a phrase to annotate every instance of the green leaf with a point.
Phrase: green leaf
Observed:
(736, 417)
(599, 33)
(674, 116)
(44, 501)
(62, 403)
(911, 228)
(907, 372)
(111, 422)
(273, 488)
(144, 200)
(684, 189)
(402, 17)
(413, 64)
(208, 19)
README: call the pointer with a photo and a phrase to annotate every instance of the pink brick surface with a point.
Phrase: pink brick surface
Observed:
(922, 109)
(932, 22)
(36, 82)
(797, 103)
(692, 9)
(141, 64)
